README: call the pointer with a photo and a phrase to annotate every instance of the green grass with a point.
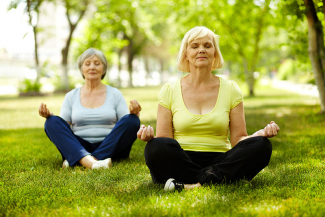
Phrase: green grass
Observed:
(32, 182)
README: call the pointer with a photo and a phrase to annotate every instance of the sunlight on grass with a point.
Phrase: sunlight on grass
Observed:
(32, 182)
(266, 208)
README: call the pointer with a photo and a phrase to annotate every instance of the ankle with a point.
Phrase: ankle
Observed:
(87, 161)
(192, 186)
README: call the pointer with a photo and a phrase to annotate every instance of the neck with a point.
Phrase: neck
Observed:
(93, 85)
(200, 76)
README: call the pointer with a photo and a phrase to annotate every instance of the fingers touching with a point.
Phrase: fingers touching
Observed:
(134, 107)
(145, 133)
(43, 111)
(271, 130)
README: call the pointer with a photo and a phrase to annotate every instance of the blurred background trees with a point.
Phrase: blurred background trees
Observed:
(258, 38)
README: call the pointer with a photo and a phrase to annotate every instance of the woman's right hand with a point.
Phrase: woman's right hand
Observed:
(43, 111)
(145, 133)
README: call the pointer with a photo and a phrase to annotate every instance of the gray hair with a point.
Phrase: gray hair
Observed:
(193, 34)
(90, 53)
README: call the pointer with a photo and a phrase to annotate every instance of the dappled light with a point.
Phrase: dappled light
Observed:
(268, 50)
(291, 183)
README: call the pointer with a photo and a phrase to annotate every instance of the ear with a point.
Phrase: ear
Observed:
(186, 57)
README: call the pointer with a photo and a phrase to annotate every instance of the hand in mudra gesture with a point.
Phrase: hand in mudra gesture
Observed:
(269, 131)
(44, 111)
(134, 107)
(145, 133)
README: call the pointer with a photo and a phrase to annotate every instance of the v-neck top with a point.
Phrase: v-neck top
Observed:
(202, 133)
(93, 124)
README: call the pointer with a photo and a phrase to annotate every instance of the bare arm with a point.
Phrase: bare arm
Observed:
(164, 122)
(237, 126)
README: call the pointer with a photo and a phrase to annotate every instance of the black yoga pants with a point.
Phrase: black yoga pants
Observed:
(166, 159)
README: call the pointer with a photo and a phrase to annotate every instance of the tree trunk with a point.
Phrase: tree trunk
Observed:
(38, 70)
(119, 82)
(65, 54)
(65, 50)
(316, 49)
(249, 78)
(29, 10)
(162, 65)
(146, 65)
(130, 61)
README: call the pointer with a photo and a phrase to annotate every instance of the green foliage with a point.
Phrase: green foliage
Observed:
(286, 69)
(34, 5)
(59, 86)
(296, 71)
(291, 13)
(266, 33)
(29, 85)
(32, 182)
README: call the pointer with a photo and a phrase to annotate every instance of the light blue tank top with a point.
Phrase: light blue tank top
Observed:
(93, 124)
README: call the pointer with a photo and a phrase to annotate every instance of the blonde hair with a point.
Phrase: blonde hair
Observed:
(193, 34)
(90, 53)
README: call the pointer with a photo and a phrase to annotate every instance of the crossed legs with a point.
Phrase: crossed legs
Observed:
(166, 159)
(74, 149)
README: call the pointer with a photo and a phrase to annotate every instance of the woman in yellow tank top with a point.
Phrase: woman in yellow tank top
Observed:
(195, 115)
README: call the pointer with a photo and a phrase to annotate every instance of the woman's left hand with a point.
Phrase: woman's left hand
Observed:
(134, 107)
(269, 131)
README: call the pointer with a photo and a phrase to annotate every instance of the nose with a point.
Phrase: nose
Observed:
(202, 50)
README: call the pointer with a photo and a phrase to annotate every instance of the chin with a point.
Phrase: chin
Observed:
(93, 79)
(202, 66)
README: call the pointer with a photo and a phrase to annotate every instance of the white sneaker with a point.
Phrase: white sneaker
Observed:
(107, 163)
(173, 185)
(65, 164)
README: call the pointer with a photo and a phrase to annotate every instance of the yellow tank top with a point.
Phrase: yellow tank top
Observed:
(204, 133)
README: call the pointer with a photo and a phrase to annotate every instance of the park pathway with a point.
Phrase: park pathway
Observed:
(302, 89)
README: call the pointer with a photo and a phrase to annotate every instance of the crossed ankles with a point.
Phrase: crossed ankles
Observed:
(106, 164)
(173, 185)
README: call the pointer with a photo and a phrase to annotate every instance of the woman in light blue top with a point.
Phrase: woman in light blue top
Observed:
(95, 123)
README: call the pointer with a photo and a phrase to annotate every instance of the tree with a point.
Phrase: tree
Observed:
(73, 8)
(122, 26)
(311, 10)
(316, 49)
(32, 9)
(247, 34)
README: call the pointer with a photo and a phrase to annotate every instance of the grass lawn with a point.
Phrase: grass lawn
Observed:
(32, 182)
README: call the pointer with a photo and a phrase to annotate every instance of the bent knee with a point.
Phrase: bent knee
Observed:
(159, 146)
(53, 119)
(132, 120)
(264, 146)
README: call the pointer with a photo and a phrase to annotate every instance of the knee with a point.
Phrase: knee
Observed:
(153, 152)
(152, 147)
(52, 121)
(157, 147)
(264, 147)
(132, 121)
